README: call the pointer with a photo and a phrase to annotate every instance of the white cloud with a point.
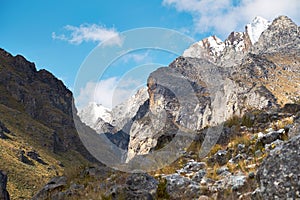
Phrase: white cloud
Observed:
(89, 33)
(224, 16)
(143, 57)
(109, 92)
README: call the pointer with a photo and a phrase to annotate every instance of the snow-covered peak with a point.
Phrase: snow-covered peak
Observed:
(256, 27)
(213, 45)
(237, 41)
(92, 112)
(95, 115)
(126, 110)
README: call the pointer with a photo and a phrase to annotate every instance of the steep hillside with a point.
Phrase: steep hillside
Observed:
(41, 141)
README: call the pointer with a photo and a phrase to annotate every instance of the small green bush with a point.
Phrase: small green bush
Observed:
(233, 121)
(162, 190)
(246, 121)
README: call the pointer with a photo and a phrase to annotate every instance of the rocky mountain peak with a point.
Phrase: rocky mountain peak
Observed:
(283, 22)
(256, 27)
(92, 112)
(210, 48)
(214, 44)
(239, 41)
(123, 112)
(95, 115)
(233, 48)
(282, 34)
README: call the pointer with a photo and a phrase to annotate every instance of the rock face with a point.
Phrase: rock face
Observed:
(214, 81)
(3, 130)
(42, 97)
(3, 181)
(233, 48)
(103, 120)
(278, 176)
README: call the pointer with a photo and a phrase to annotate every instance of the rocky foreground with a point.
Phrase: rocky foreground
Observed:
(260, 161)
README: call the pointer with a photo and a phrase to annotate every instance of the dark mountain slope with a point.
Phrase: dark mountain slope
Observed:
(42, 141)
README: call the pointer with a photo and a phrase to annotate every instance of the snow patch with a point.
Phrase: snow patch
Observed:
(92, 112)
(256, 27)
(213, 45)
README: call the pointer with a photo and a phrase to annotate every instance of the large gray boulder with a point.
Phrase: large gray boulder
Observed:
(138, 186)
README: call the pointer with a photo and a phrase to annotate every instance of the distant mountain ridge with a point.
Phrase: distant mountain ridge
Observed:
(98, 117)
(237, 43)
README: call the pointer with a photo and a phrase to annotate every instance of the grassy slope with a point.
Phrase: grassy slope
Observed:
(25, 180)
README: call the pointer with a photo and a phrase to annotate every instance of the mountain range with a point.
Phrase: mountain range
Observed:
(246, 77)
(220, 122)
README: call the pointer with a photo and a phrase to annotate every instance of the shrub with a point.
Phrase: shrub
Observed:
(233, 121)
(162, 190)
(246, 121)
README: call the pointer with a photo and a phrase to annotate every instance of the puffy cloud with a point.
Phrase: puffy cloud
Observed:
(225, 16)
(89, 33)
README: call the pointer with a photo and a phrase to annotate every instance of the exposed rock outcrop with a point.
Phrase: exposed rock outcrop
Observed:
(104, 120)
(137, 186)
(52, 190)
(4, 195)
(278, 175)
(3, 131)
(214, 81)
(44, 98)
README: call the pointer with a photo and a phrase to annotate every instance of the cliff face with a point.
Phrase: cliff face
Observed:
(39, 139)
(34, 89)
(43, 97)
(214, 81)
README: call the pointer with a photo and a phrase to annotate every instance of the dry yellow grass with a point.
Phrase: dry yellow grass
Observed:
(284, 84)
(25, 180)
(279, 124)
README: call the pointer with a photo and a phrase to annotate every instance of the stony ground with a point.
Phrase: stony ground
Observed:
(245, 166)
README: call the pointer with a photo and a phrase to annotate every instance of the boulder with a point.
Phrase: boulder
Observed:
(221, 157)
(24, 159)
(52, 189)
(35, 156)
(271, 137)
(138, 186)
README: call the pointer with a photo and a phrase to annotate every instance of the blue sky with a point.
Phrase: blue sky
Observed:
(59, 35)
